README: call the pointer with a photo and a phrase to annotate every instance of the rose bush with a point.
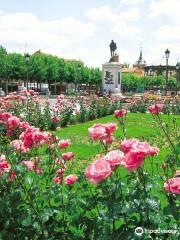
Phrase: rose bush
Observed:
(45, 193)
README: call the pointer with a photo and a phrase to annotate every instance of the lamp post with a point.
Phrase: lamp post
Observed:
(167, 52)
(27, 57)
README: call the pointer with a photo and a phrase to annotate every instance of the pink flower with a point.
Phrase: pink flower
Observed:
(4, 167)
(97, 131)
(126, 145)
(110, 127)
(64, 143)
(4, 116)
(115, 157)
(67, 156)
(133, 160)
(13, 122)
(24, 125)
(57, 180)
(12, 176)
(60, 171)
(98, 171)
(108, 139)
(120, 113)
(39, 170)
(69, 180)
(55, 119)
(2, 158)
(153, 151)
(18, 145)
(29, 164)
(173, 185)
(156, 108)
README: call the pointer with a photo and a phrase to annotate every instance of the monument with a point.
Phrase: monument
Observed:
(111, 72)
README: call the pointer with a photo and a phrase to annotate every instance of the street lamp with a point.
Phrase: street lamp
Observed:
(27, 57)
(167, 52)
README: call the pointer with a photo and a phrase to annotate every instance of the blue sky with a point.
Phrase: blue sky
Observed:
(82, 29)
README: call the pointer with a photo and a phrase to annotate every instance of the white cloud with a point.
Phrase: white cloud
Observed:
(170, 33)
(131, 2)
(119, 20)
(58, 36)
(166, 8)
(103, 13)
(123, 30)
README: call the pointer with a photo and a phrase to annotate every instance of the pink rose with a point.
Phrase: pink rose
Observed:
(64, 143)
(13, 122)
(173, 185)
(2, 158)
(120, 113)
(57, 180)
(12, 176)
(108, 139)
(114, 158)
(29, 164)
(97, 131)
(98, 171)
(110, 127)
(67, 156)
(24, 125)
(69, 180)
(55, 119)
(126, 145)
(133, 160)
(153, 151)
(60, 171)
(4, 116)
(156, 108)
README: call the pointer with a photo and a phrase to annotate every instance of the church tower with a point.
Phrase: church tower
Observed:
(140, 63)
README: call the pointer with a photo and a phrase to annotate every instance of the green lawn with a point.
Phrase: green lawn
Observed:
(141, 126)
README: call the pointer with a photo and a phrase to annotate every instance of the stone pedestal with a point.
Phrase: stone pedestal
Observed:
(111, 77)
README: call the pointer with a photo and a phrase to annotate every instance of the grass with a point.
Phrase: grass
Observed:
(140, 126)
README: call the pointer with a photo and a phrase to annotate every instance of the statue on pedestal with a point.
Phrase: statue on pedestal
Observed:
(114, 56)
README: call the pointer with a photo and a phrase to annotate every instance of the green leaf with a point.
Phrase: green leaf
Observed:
(27, 221)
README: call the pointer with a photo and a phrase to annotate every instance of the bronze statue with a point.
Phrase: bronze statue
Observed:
(113, 48)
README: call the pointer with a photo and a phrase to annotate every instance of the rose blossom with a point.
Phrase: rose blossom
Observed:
(115, 157)
(110, 127)
(108, 139)
(98, 171)
(4, 116)
(67, 156)
(97, 131)
(156, 108)
(126, 145)
(64, 143)
(29, 164)
(60, 171)
(133, 160)
(57, 180)
(56, 119)
(69, 180)
(120, 113)
(13, 122)
(173, 185)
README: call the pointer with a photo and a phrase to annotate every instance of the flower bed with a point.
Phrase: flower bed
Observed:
(45, 194)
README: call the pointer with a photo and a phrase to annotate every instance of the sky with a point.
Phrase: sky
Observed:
(83, 29)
